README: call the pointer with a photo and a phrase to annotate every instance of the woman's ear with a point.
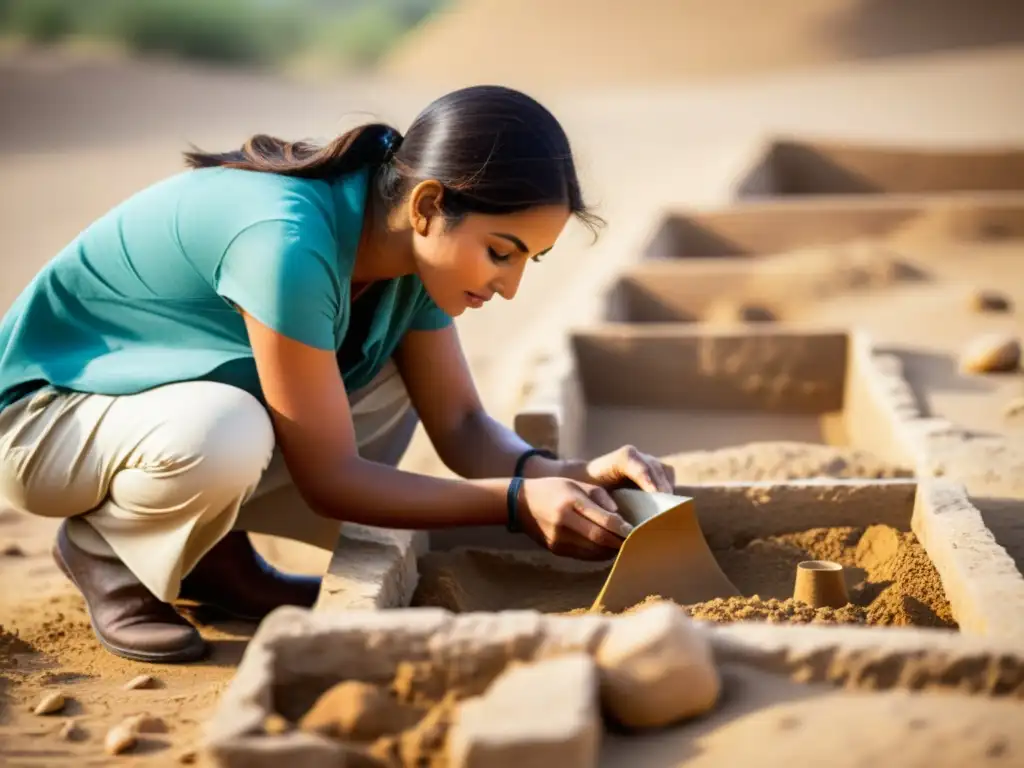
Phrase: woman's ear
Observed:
(425, 205)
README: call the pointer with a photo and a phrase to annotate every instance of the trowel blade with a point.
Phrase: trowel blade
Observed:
(666, 554)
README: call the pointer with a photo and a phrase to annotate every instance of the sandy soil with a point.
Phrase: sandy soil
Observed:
(890, 580)
(776, 460)
(78, 139)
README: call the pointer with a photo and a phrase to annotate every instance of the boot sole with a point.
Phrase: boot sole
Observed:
(190, 653)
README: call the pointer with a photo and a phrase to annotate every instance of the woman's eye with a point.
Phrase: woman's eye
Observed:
(500, 258)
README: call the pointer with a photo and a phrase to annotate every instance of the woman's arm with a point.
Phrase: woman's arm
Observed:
(473, 445)
(313, 424)
(470, 443)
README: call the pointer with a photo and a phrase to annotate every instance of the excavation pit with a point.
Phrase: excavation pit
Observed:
(759, 535)
(758, 229)
(671, 389)
(914, 554)
(792, 167)
(739, 292)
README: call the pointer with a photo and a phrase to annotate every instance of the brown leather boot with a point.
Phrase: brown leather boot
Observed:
(235, 579)
(128, 619)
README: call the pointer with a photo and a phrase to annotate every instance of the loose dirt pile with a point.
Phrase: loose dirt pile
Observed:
(402, 723)
(780, 461)
(890, 579)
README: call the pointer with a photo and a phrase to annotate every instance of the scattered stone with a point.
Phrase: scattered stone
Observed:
(1014, 409)
(11, 549)
(544, 713)
(188, 757)
(142, 681)
(121, 738)
(991, 353)
(357, 711)
(656, 668)
(70, 731)
(990, 301)
(146, 723)
(275, 725)
(50, 704)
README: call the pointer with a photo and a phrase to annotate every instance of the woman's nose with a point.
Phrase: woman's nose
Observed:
(507, 284)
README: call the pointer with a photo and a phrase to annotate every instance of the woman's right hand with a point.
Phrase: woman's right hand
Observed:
(571, 519)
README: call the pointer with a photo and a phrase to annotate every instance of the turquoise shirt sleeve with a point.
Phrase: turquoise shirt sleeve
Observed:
(429, 317)
(285, 281)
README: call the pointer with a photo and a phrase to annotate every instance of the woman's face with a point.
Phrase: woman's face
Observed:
(464, 266)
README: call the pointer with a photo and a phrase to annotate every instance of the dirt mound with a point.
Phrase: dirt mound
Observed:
(779, 461)
(609, 41)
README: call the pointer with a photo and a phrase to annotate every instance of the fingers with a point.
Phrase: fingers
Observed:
(646, 471)
(592, 522)
(664, 476)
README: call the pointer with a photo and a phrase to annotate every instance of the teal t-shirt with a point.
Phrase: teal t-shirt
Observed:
(144, 296)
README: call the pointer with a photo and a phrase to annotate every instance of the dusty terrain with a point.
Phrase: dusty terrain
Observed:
(683, 40)
(78, 139)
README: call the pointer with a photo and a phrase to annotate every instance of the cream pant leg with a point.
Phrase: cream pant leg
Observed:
(161, 476)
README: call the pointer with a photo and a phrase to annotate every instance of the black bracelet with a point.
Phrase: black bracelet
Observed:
(521, 462)
(512, 502)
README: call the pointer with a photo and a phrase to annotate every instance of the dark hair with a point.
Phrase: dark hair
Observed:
(495, 150)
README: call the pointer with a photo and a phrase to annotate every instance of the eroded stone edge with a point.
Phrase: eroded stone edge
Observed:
(372, 568)
(986, 465)
(293, 643)
(981, 580)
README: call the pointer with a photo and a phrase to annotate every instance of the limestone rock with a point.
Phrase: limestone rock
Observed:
(991, 353)
(656, 668)
(540, 714)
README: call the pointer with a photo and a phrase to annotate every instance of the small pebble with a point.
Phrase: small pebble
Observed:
(12, 550)
(121, 737)
(50, 703)
(142, 681)
(991, 353)
(70, 731)
(275, 725)
(990, 301)
(188, 757)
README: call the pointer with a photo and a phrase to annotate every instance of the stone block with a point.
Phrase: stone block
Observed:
(533, 716)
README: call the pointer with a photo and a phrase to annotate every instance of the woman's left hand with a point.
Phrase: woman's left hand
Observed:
(628, 463)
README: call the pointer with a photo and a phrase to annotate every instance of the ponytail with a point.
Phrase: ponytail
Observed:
(493, 149)
(367, 145)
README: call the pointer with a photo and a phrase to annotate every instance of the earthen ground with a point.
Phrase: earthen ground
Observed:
(79, 139)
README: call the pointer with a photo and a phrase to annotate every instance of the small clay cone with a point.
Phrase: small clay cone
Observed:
(820, 584)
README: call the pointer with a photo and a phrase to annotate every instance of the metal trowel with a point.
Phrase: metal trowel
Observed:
(665, 554)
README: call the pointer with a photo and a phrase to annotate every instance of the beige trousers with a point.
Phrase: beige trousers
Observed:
(161, 476)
